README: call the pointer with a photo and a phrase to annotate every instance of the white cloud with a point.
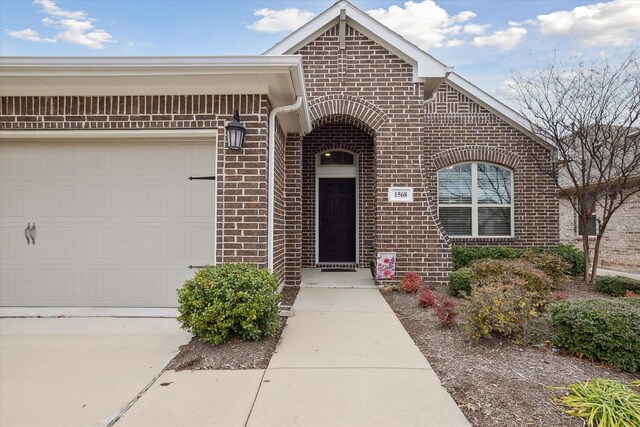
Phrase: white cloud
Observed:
(505, 89)
(29, 35)
(505, 39)
(73, 27)
(474, 29)
(424, 23)
(275, 21)
(454, 43)
(615, 23)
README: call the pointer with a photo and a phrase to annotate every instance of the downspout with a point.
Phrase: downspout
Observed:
(272, 163)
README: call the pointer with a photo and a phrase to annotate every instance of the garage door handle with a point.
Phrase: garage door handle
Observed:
(30, 233)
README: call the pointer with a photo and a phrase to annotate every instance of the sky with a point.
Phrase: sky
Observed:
(484, 40)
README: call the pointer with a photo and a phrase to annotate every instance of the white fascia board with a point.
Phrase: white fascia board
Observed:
(117, 66)
(297, 77)
(425, 65)
(495, 106)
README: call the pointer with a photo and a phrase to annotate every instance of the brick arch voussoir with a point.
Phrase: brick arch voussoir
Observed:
(331, 106)
(474, 153)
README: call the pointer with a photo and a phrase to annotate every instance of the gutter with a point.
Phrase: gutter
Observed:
(272, 163)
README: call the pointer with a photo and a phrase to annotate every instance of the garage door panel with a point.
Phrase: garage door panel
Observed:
(151, 200)
(13, 203)
(100, 201)
(100, 243)
(52, 243)
(55, 201)
(195, 200)
(117, 221)
(11, 289)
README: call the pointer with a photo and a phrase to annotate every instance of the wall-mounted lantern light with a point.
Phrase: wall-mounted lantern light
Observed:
(235, 132)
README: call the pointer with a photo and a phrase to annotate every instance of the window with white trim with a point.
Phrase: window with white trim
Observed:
(476, 200)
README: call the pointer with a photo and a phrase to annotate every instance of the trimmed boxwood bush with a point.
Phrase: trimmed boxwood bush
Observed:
(463, 256)
(604, 330)
(617, 286)
(460, 282)
(573, 256)
(229, 298)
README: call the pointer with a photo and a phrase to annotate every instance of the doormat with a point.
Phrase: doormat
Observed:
(338, 270)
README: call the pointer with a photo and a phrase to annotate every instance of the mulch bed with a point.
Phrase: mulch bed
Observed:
(233, 353)
(494, 382)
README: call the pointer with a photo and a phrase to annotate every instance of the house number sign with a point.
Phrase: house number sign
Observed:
(401, 194)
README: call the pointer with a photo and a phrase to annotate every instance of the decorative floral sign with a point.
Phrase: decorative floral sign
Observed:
(386, 265)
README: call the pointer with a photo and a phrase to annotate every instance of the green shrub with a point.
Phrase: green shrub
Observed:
(616, 285)
(605, 330)
(229, 298)
(573, 256)
(601, 402)
(504, 306)
(553, 265)
(463, 255)
(460, 282)
(534, 280)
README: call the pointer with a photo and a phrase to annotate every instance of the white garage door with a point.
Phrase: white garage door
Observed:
(117, 222)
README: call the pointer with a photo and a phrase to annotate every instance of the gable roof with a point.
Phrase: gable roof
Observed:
(426, 69)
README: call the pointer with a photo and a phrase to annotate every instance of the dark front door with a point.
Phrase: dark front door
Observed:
(337, 219)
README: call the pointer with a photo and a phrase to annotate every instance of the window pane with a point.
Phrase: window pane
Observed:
(593, 219)
(494, 184)
(454, 185)
(456, 221)
(336, 158)
(494, 221)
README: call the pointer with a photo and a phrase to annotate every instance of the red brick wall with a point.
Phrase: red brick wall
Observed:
(366, 84)
(338, 136)
(458, 130)
(242, 176)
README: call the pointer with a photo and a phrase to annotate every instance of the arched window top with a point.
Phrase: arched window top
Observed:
(336, 158)
(476, 200)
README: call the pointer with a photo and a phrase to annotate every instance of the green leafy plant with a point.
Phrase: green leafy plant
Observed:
(426, 298)
(411, 282)
(463, 255)
(600, 402)
(553, 265)
(229, 298)
(460, 282)
(616, 285)
(572, 255)
(535, 281)
(504, 306)
(604, 330)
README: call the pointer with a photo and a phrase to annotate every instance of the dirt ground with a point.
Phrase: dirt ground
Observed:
(234, 353)
(494, 382)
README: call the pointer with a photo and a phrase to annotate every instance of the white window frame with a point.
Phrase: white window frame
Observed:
(474, 205)
(594, 214)
(337, 171)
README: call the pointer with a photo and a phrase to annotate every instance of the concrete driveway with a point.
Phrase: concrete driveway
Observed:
(79, 371)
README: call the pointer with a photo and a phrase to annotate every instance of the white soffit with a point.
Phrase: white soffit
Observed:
(425, 66)
(280, 78)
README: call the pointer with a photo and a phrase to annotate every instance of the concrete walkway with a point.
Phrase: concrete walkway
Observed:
(344, 359)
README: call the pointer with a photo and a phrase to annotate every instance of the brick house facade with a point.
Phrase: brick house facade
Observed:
(401, 118)
(620, 246)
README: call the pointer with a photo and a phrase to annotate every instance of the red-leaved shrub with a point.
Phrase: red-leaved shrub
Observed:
(446, 310)
(559, 295)
(411, 282)
(630, 294)
(427, 298)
